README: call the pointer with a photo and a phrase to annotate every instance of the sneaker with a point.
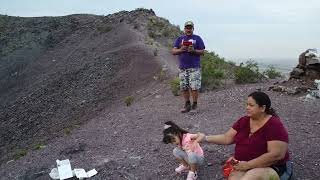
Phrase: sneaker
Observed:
(181, 169)
(194, 108)
(187, 107)
(192, 175)
(194, 105)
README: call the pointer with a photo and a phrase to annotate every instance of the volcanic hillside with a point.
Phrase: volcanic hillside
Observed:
(58, 72)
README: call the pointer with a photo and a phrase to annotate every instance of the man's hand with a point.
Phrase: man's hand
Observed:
(191, 49)
(183, 48)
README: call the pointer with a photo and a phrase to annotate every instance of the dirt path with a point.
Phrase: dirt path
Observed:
(125, 142)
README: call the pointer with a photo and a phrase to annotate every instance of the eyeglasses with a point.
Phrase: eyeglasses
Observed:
(188, 27)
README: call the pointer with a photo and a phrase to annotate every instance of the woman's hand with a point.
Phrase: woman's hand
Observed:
(199, 137)
(242, 166)
(232, 160)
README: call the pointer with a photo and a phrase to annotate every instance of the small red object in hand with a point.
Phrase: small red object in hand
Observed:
(187, 43)
(228, 167)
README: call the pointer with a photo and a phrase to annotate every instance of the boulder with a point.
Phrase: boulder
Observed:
(296, 73)
(312, 61)
(308, 67)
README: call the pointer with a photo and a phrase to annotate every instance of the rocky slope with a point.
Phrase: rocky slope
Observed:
(58, 72)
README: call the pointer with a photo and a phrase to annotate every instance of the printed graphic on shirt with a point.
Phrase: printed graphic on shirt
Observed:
(186, 43)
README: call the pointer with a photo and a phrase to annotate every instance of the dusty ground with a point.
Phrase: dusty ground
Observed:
(125, 142)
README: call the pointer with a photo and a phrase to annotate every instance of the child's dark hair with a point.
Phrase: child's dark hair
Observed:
(261, 99)
(171, 130)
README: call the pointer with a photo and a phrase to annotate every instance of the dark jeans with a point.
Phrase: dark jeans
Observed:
(284, 171)
(280, 169)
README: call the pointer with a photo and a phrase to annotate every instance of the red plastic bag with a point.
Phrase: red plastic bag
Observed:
(228, 166)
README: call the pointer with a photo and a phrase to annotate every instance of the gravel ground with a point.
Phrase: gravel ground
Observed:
(125, 142)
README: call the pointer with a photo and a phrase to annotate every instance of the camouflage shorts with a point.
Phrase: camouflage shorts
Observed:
(190, 78)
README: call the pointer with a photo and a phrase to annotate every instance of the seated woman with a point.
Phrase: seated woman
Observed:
(261, 141)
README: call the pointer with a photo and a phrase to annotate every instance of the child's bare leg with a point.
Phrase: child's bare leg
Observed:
(183, 162)
(193, 167)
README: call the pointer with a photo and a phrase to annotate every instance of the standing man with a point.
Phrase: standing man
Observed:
(189, 47)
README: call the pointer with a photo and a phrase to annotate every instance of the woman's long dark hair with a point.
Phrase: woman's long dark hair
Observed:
(262, 99)
(171, 130)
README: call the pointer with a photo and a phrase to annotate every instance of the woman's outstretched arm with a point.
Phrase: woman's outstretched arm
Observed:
(224, 139)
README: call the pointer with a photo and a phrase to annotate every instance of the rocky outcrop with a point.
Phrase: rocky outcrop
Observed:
(308, 67)
(303, 76)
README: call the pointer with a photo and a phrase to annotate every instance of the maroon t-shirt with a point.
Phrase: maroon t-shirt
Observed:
(248, 148)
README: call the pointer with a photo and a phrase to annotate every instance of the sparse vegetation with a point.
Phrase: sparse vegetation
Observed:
(162, 74)
(136, 26)
(152, 34)
(128, 100)
(20, 154)
(272, 73)
(248, 73)
(154, 44)
(104, 28)
(66, 131)
(3, 22)
(149, 41)
(166, 32)
(54, 23)
(161, 30)
(50, 41)
(155, 51)
(175, 86)
(39, 146)
(214, 70)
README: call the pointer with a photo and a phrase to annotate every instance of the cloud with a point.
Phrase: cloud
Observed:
(293, 11)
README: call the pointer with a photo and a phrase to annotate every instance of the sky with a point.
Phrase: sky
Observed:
(269, 30)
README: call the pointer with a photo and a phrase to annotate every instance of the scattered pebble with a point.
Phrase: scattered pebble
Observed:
(209, 164)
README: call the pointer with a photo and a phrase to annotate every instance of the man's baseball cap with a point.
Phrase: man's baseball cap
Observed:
(188, 23)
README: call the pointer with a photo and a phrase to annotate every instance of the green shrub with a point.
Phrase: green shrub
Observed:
(39, 146)
(128, 100)
(104, 28)
(247, 73)
(211, 77)
(159, 28)
(67, 131)
(213, 70)
(169, 45)
(166, 32)
(152, 34)
(175, 86)
(162, 75)
(155, 52)
(272, 73)
(21, 153)
(149, 41)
